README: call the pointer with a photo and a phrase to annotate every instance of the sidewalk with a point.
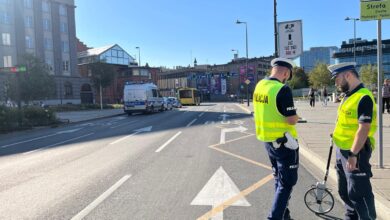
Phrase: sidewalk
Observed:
(314, 146)
(78, 116)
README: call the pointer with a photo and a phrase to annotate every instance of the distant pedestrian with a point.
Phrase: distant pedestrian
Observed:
(386, 96)
(275, 118)
(312, 97)
(354, 136)
(324, 96)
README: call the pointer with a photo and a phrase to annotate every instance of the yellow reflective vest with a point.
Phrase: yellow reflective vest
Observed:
(270, 123)
(348, 123)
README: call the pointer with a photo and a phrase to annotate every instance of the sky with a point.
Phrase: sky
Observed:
(175, 32)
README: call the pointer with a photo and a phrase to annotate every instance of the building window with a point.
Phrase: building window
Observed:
(48, 43)
(46, 24)
(7, 61)
(6, 39)
(63, 10)
(49, 63)
(29, 42)
(68, 89)
(28, 21)
(45, 6)
(64, 27)
(65, 66)
(28, 3)
(65, 46)
(4, 17)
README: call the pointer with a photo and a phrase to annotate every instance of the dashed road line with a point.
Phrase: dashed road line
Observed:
(168, 142)
(100, 199)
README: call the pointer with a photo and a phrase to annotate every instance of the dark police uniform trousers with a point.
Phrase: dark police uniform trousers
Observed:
(355, 187)
(285, 164)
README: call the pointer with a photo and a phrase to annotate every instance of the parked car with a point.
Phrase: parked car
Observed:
(167, 103)
(175, 102)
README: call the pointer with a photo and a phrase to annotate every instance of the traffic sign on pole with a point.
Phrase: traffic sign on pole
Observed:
(374, 9)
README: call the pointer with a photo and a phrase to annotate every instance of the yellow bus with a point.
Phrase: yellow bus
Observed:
(189, 96)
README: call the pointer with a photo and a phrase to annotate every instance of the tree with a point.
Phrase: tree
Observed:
(102, 75)
(299, 79)
(320, 76)
(34, 84)
(369, 75)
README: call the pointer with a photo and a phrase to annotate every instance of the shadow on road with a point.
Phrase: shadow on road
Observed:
(329, 217)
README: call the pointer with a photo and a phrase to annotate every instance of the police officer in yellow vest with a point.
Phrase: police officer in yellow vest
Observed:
(354, 138)
(275, 117)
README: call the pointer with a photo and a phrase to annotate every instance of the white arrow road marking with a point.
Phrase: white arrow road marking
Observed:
(224, 119)
(100, 199)
(145, 129)
(225, 130)
(46, 136)
(168, 142)
(189, 124)
(217, 190)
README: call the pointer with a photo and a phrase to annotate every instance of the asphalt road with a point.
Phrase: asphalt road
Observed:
(195, 162)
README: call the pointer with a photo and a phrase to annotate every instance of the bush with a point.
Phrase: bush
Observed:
(28, 116)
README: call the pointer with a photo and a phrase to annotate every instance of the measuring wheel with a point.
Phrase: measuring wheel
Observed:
(319, 200)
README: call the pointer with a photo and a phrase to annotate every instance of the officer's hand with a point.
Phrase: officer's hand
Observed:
(351, 164)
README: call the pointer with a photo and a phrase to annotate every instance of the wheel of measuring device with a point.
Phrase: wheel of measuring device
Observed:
(319, 201)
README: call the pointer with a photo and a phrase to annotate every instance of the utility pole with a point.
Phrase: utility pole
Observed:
(276, 30)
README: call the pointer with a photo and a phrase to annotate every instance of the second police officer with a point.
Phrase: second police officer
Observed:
(354, 138)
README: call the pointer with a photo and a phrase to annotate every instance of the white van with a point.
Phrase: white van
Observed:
(142, 97)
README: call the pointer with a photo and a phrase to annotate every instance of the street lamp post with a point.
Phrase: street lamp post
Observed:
(246, 60)
(354, 35)
(139, 55)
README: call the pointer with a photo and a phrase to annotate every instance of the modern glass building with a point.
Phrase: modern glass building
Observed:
(45, 29)
(310, 58)
(366, 53)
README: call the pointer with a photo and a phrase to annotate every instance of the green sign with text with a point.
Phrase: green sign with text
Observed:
(374, 9)
(14, 69)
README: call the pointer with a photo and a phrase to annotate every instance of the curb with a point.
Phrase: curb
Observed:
(92, 119)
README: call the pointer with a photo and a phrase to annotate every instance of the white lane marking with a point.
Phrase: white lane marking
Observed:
(37, 138)
(121, 139)
(30, 152)
(145, 129)
(62, 142)
(189, 124)
(124, 124)
(200, 115)
(168, 142)
(225, 130)
(100, 199)
(8, 145)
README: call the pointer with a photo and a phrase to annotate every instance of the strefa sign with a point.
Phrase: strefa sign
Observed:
(374, 9)
(290, 42)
